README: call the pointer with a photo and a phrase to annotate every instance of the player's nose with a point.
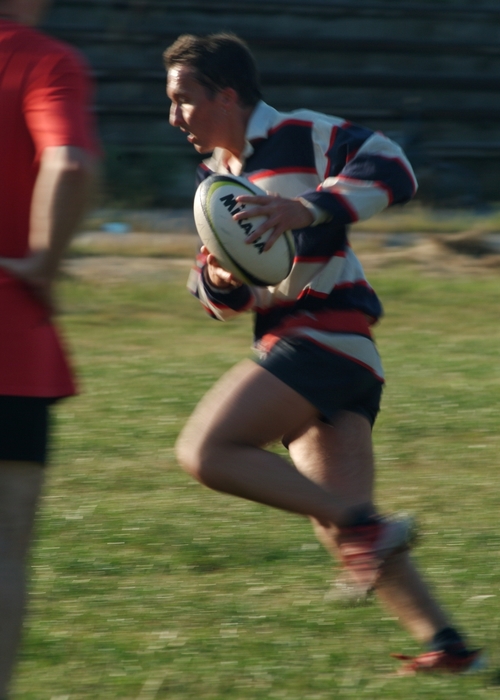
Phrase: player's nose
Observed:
(175, 115)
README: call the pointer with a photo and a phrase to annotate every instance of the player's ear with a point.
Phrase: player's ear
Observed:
(229, 97)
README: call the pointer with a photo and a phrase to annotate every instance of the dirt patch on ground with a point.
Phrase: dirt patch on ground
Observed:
(108, 257)
(112, 268)
(453, 254)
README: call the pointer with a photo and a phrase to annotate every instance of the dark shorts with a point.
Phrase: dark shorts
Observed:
(24, 428)
(330, 382)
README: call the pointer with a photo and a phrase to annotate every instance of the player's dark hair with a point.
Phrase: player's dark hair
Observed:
(220, 61)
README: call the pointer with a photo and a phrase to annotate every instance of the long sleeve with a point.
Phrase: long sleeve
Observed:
(218, 303)
(364, 172)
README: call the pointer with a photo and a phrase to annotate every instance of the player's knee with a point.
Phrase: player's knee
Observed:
(197, 456)
(185, 453)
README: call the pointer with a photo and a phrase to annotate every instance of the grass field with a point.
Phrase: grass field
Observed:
(147, 586)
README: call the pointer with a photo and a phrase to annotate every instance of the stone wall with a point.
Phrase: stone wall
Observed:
(425, 73)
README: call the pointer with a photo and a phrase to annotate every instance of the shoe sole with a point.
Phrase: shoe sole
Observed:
(478, 663)
(403, 536)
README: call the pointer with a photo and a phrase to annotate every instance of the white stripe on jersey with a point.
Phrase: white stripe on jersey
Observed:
(287, 184)
(358, 347)
(364, 197)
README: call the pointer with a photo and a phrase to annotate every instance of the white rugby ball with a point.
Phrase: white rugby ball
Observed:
(214, 206)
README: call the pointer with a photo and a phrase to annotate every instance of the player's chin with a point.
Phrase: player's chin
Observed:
(195, 143)
(201, 148)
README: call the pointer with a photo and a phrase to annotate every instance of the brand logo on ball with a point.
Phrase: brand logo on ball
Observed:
(230, 203)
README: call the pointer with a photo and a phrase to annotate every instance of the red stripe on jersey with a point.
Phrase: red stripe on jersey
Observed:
(333, 137)
(402, 164)
(308, 292)
(342, 201)
(351, 156)
(378, 183)
(290, 122)
(349, 285)
(387, 190)
(279, 171)
(411, 176)
(208, 310)
(311, 259)
(330, 320)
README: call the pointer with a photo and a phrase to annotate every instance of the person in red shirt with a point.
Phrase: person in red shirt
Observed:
(48, 153)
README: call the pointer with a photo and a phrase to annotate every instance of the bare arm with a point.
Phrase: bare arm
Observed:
(61, 195)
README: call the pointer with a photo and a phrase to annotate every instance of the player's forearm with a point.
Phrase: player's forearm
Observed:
(62, 193)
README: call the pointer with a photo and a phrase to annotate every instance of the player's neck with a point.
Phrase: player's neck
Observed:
(236, 130)
(232, 163)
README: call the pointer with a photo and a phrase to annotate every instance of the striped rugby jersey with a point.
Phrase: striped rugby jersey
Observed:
(345, 173)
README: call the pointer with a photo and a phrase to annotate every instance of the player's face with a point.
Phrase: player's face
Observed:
(195, 111)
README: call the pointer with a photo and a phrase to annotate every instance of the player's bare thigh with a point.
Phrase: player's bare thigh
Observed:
(247, 406)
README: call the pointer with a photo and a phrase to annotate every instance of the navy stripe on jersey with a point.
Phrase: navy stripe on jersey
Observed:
(327, 240)
(389, 173)
(335, 205)
(275, 152)
(202, 172)
(344, 145)
(355, 296)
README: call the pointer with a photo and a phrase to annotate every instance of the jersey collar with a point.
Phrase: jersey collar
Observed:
(260, 123)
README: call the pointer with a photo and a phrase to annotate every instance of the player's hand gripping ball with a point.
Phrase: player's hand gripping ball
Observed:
(214, 206)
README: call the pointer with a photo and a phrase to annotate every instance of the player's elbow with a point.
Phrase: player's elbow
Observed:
(80, 166)
(71, 163)
(409, 189)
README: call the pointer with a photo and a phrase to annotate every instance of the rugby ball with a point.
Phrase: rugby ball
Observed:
(214, 206)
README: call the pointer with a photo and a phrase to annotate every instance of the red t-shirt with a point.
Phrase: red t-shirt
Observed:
(44, 101)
